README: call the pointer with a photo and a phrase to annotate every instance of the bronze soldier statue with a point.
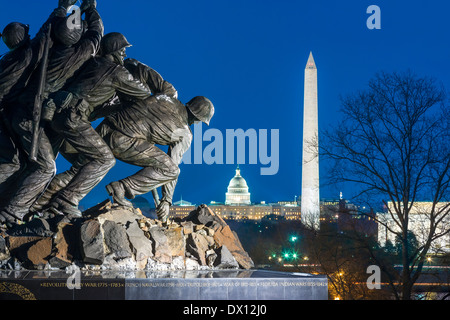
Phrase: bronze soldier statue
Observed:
(147, 75)
(98, 81)
(16, 69)
(133, 131)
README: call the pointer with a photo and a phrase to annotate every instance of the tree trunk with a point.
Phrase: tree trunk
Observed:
(406, 274)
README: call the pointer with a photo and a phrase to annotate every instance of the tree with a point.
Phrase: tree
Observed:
(393, 146)
(344, 262)
(413, 245)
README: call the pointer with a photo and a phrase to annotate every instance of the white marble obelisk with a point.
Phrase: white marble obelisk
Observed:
(310, 207)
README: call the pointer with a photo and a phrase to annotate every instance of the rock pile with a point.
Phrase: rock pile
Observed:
(110, 237)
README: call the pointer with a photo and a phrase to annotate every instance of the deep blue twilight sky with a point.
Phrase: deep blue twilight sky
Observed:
(249, 56)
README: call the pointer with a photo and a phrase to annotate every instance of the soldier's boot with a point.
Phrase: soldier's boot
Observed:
(43, 201)
(61, 207)
(3, 226)
(9, 220)
(58, 183)
(117, 191)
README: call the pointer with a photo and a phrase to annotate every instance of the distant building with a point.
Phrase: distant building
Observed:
(181, 209)
(347, 217)
(419, 225)
(237, 191)
(238, 206)
(240, 212)
(183, 203)
(287, 210)
(256, 211)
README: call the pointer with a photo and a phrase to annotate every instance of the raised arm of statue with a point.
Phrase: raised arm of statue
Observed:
(66, 4)
(153, 79)
(90, 42)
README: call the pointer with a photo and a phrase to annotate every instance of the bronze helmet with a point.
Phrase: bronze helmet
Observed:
(15, 34)
(66, 32)
(202, 108)
(113, 42)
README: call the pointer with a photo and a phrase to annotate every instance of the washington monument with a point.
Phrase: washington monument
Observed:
(310, 208)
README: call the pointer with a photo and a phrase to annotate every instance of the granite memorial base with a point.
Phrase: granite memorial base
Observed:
(220, 285)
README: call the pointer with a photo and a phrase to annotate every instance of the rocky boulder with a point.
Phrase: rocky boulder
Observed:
(92, 242)
(116, 240)
(65, 249)
(221, 233)
(111, 237)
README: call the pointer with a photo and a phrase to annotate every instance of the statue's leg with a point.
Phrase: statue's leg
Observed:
(97, 158)
(60, 181)
(37, 175)
(115, 189)
(158, 168)
(11, 163)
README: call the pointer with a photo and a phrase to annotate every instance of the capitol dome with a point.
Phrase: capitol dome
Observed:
(237, 191)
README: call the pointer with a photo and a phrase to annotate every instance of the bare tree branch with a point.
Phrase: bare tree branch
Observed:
(393, 145)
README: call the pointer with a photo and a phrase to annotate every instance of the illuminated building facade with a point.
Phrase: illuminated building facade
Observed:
(419, 225)
(238, 206)
(181, 209)
(237, 191)
(242, 212)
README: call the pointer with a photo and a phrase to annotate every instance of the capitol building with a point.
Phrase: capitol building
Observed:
(238, 205)
(237, 191)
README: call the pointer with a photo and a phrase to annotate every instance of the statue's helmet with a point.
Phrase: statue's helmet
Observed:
(15, 34)
(202, 108)
(113, 42)
(68, 33)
